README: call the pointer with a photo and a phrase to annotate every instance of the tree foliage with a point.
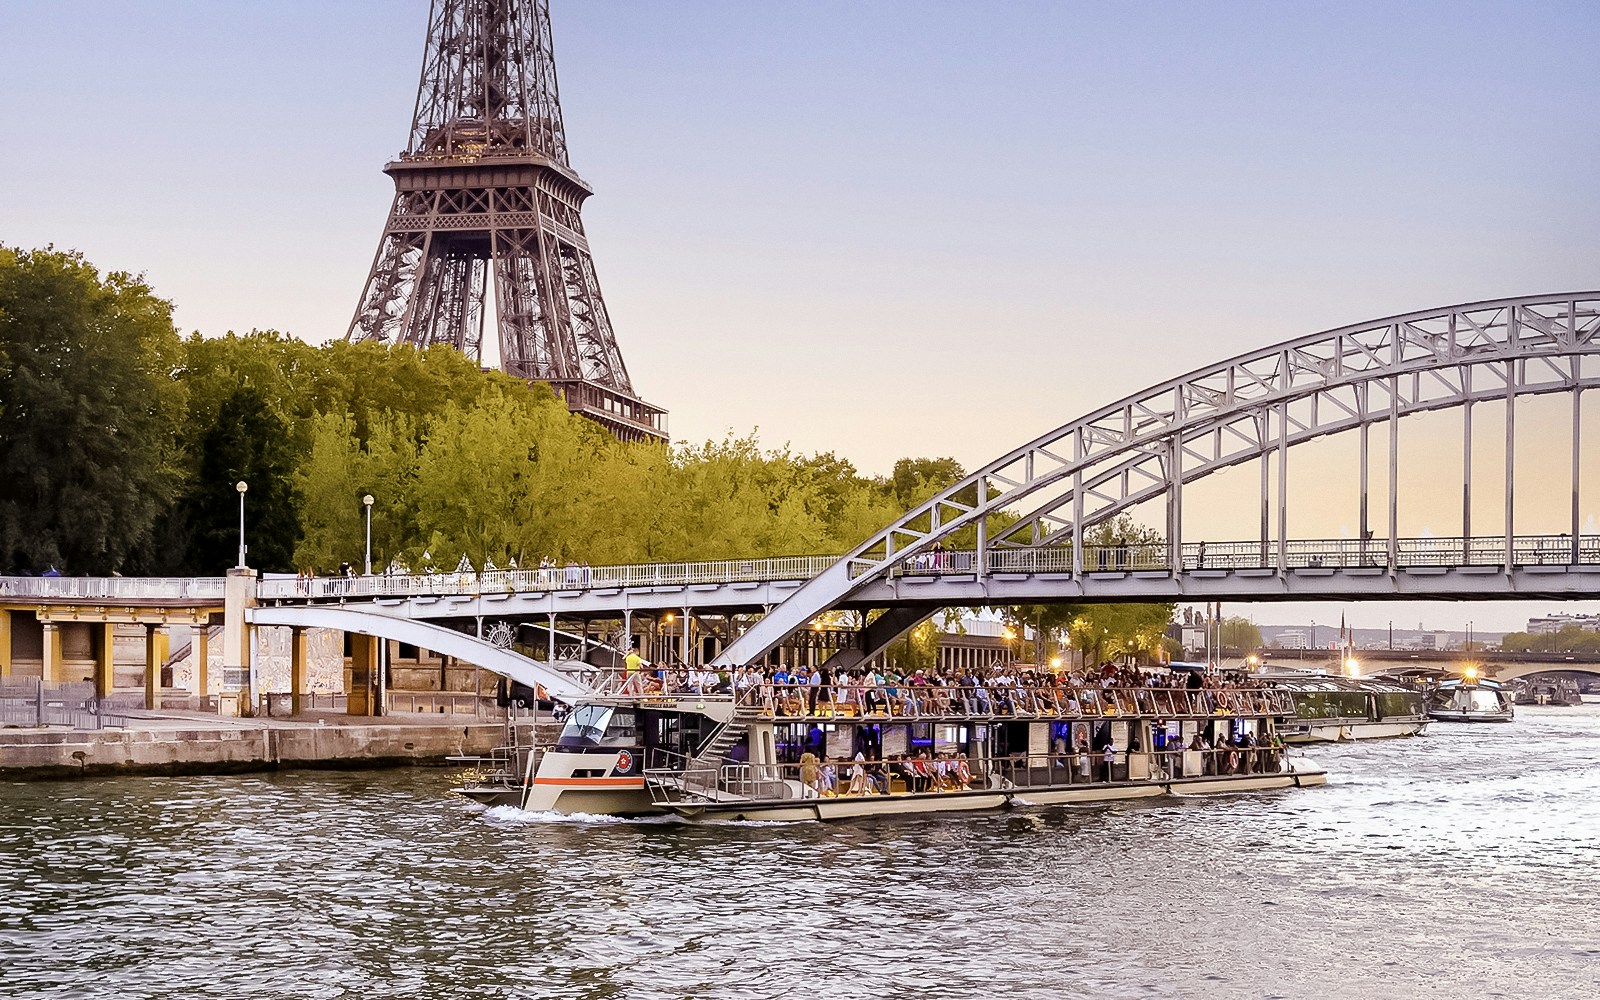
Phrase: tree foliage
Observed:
(1569, 639)
(88, 413)
(1098, 631)
(247, 442)
(1239, 632)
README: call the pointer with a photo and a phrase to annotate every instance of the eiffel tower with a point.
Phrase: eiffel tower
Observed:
(484, 188)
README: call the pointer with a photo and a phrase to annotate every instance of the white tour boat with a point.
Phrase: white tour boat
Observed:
(803, 751)
(1471, 699)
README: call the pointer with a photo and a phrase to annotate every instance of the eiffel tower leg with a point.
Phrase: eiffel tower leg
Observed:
(596, 346)
(384, 301)
(529, 346)
(444, 308)
(458, 305)
(421, 319)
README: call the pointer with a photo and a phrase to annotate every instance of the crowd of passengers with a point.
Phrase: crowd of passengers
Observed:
(1005, 690)
(945, 772)
(952, 772)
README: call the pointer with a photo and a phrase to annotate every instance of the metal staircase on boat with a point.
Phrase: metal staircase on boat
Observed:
(698, 780)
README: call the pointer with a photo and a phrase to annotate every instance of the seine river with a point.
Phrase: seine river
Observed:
(1462, 864)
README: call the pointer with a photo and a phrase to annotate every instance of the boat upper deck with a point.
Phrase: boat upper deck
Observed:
(1003, 693)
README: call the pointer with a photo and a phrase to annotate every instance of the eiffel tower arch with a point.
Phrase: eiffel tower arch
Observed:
(484, 194)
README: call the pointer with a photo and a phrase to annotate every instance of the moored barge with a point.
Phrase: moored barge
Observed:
(1331, 709)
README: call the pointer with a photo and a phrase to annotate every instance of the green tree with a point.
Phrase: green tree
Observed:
(88, 410)
(247, 442)
(1103, 632)
(917, 479)
(334, 477)
(918, 649)
(1049, 622)
(1238, 632)
(1568, 639)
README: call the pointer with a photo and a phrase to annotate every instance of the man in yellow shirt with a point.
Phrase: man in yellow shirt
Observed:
(632, 677)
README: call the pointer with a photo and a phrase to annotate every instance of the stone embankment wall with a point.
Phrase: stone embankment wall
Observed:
(50, 754)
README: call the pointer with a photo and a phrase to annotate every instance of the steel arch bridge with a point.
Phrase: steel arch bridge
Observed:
(1039, 499)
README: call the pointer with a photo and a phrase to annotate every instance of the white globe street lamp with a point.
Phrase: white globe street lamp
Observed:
(241, 486)
(366, 502)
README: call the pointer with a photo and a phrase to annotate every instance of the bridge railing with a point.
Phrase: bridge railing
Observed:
(1298, 554)
(112, 588)
(552, 580)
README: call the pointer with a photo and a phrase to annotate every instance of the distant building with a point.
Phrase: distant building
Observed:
(1551, 624)
(1293, 638)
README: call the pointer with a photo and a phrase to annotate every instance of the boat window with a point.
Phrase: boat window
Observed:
(1485, 701)
(621, 725)
(796, 738)
(586, 726)
(1398, 704)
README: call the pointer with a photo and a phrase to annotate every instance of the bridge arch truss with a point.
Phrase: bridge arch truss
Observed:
(1045, 494)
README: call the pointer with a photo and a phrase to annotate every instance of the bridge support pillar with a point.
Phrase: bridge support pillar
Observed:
(299, 647)
(104, 659)
(156, 642)
(238, 671)
(361, 698)
(200, 650)
(50, 659)
(5, 643)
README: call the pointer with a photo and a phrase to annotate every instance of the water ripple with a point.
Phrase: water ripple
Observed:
(1456, 865)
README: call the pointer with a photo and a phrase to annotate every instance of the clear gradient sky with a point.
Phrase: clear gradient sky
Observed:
(883, 229)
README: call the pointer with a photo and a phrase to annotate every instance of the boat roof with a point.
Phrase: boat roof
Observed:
(1482, 682)
(1330, 682)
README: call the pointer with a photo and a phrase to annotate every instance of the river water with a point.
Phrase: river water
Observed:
(1461, 864)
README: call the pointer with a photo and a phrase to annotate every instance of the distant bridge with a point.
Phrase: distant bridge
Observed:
(1494, 663)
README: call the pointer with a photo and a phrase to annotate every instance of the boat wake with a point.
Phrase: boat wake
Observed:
(512, 816)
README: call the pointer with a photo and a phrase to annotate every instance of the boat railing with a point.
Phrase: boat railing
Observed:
(673, 777)
(924, 702)
(1016, 773)
(502, 767)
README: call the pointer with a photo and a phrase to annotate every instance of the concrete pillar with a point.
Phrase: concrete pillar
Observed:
(156, 643)
(5, 643)
(299, 649)
(200, 649)
(104, 659)
(51, 661)
(361, 699)
(238, 672)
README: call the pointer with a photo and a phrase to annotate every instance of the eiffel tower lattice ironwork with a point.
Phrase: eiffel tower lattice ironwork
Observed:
(484, 190)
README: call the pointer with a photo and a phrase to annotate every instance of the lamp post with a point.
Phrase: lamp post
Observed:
(241, 486)
(366, 502)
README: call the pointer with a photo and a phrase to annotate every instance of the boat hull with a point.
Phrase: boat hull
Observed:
(1447, 716)
(980, 800)
(1335, 731)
